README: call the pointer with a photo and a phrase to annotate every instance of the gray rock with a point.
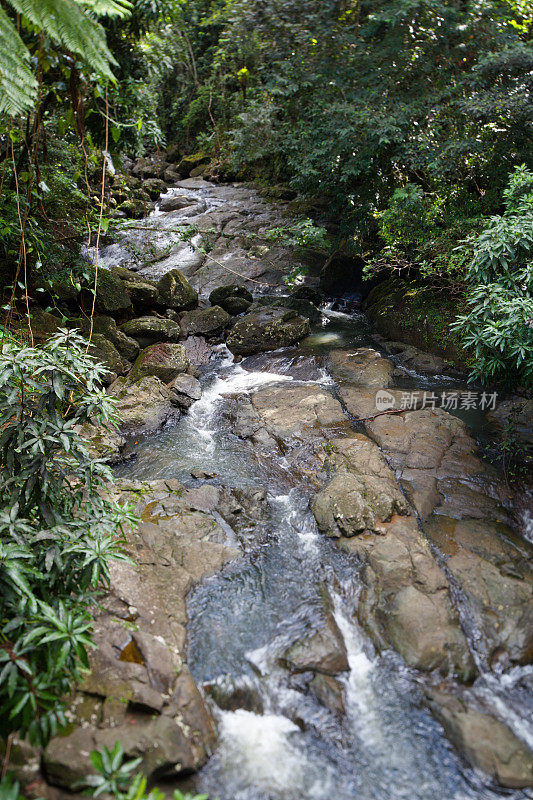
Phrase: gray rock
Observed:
(176, 292)
(176, 202)
(406, 601)
(484, 741)
(267, 329)
(206, 321)
(323, 651)
(363, 367)
(363, 493)
(496, 577)
(164, 360)
(154, 187)
(107, 354)
(106, 326)
(232, 298)
(150, 330)
(144, 407)
(143, 292)
(185, 390)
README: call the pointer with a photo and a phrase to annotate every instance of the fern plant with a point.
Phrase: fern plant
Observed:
(71, 24)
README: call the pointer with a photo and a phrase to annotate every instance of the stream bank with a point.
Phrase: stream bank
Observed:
(350, 592)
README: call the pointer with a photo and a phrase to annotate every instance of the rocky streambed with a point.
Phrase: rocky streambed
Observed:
(323, 600)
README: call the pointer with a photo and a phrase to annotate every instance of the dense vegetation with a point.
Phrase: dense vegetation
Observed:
(404, 126)
(399, 123)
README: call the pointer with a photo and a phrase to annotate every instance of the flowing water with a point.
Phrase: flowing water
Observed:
(285, 745)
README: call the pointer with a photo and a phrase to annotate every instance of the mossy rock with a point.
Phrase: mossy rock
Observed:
(111, 294)
(176, 292)
(164, 360)
(410, 312)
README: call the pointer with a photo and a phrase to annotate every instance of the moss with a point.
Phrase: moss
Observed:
(410, 312)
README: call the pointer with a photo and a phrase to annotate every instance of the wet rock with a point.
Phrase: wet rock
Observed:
(363, 493)
(151, 330)
(230, 694)
(304, 308)
(185, 390)
(266, 329)
(106, 354)
(176, 292)
(144, 406)
(106, 326)
(206, 321)
(154, 187)
(310, 293)
(486, 743)
(165, 361)
(143, 292)
(232, 298)
(363, 403)
(329, 691)
(417, 360)
(436, 463)
(189, 162)
(290, 361)
(111, 294)
(162, 744)
(293, 414)
(363, 367)
(197, 350)
(134, 208)
(406, 602)
(171, 175)
(496, 577)
(323, 651)
(176, 202)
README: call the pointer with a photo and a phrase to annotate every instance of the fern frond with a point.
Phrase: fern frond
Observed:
(18, 86)
(108, 8)
(69, 25)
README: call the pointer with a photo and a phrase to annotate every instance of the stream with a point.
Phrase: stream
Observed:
(283, 744)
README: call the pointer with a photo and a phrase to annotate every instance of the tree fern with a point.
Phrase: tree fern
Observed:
(18, 86)
(107, 8)
(69, 23)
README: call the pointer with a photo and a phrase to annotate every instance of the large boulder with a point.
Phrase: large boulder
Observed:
(143, 292)
(144, 406)
(185, 391)
(205, 321)
(233, 298)
(494, 571)
(176, 202)
(362, 494)
(406, 600)
(43, 324)
(154, 187)
(138, 690)
(484, 741)
(107, 327)
(323, 651)
(111, 294)
(434, 456)
(106, 354)
(150, 330)
(165, 361)
(267, 329)
(361, 367)
(292, 415)
(176, 292)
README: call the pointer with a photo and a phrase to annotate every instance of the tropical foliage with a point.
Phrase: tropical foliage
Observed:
(57, 531)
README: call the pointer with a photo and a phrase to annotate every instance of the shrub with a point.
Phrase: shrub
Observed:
(57, 531)
(499, 323)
